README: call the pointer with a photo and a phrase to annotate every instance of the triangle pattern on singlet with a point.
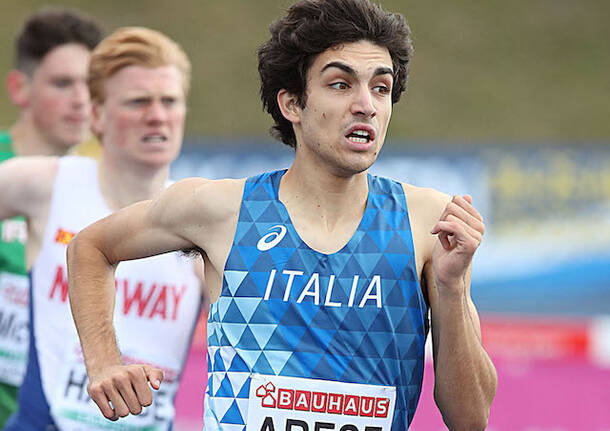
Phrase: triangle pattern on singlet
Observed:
(218, 362)
(262, 332)
(226, 355)
(248, 255)
(322, 336)
(244, 392)
(222, 305)
(236, 262)
(238, 364)
(381, 238)
(250, 357)
(233, 314)
(323, 370)
(247, 340)
(270, 215)
(368, 261)
(234, 279)
(233, 415)
(226, 389)
(263, 365)
(234, 332)
(247, 306)
(218, 377)
(277, 342)
(277, 359)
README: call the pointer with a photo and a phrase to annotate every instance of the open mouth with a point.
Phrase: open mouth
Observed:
(359, 136)
(155, 138)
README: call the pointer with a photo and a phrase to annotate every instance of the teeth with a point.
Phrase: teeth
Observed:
(359, 140)
(155, 139)
(361, 133)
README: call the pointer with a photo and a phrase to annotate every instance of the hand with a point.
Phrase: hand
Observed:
(126, 387)
(460, 230)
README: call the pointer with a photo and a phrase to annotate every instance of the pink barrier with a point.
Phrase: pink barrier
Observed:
(555, 387)
(550, 376)
(540, 396)
(189, 399)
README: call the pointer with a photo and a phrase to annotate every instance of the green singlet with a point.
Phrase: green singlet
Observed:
(13, 303)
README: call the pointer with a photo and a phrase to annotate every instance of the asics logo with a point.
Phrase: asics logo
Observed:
(272, 238)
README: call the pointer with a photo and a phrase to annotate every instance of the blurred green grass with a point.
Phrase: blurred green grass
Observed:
(483, 69)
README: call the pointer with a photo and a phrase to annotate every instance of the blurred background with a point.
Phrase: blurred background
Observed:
(507, 101)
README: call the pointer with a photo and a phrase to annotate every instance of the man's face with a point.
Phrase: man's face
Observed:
(348, 107)
(58, 97)
(142, 118)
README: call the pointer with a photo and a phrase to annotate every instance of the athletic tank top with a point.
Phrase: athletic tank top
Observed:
(157, 304)
(14, 285)
(304, 340)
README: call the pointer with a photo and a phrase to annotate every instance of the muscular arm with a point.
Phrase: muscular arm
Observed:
(181, 218)
(465, 378)
(140, 230)
(446, 233)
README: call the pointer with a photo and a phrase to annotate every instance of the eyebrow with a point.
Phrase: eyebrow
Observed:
(382, 70)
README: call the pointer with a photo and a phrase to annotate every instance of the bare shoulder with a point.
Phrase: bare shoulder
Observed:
(197, 197)
(195, 205)
(220, 198)
(425, 206)
(425, 203)
(27, 184)
(30, 170)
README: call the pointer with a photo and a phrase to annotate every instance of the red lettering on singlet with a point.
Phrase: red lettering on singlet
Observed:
(128, 300)
(145, 301)
(59, 284)
(177, 297)
(160, 306)
(152, 302)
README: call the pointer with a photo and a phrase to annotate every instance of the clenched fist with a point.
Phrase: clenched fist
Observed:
(122, 389)
(460, 230)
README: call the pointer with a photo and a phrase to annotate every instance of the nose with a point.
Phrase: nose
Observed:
(156, 112)
(80, 95)
(363, 103)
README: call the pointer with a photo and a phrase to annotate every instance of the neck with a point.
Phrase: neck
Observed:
(123, 184)
(29, 141)
(324, 197)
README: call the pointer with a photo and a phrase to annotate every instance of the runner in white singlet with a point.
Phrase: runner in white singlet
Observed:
(48, 88)
(138, 81)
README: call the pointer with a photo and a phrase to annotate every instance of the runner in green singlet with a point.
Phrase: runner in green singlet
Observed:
(48, 86)
(12, 272)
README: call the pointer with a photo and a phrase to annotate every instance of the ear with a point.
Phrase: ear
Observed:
(289, 106)
(18, 88)
(98, 119)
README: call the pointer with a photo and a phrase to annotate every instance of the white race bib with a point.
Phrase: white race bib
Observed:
(298, 404)
(14, 335)
(73, 410)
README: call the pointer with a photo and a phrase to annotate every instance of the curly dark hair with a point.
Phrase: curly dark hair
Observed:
(50, 28)
(309, 28)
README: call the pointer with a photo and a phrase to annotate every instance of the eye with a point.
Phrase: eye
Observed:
(169, 101)
(382, 89)
(139, 101)
(62, 82)
(339, 85)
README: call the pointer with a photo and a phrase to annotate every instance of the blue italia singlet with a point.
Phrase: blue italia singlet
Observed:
(298, 337)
